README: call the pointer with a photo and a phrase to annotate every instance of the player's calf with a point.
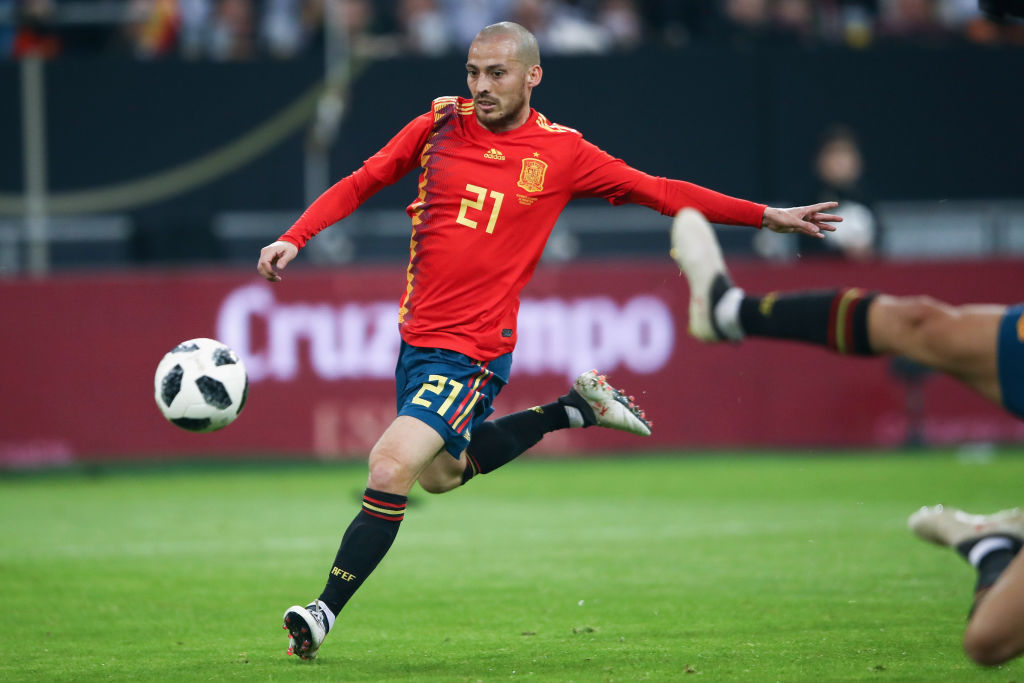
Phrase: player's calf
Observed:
(591, 401)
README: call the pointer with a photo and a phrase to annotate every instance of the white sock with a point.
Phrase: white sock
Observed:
(575, 416)
(986, 546)
(727, 314)
(328, 613)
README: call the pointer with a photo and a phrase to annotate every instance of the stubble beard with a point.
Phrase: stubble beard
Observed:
(500, 119)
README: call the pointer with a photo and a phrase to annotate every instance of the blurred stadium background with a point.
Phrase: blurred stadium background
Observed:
(151, 147)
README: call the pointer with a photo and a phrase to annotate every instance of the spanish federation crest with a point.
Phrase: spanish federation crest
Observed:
(531, 178)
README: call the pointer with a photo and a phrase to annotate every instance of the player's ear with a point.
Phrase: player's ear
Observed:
(533, 76)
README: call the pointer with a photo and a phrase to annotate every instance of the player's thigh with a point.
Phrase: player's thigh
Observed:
(956, 339)
(996, 630)
(401, 454)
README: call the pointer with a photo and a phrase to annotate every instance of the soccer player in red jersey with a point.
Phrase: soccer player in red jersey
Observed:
(494, 176)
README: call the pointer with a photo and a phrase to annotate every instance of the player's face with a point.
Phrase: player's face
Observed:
(500, 84)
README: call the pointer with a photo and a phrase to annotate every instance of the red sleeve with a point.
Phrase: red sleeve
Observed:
(394, 160)
(602, 175)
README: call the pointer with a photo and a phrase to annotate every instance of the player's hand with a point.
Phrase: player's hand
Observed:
(274, 257)
(806, 219)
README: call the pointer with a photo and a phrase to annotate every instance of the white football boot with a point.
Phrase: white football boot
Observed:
(696, 251)
(610, 407)
(951, 527)
(307, 627)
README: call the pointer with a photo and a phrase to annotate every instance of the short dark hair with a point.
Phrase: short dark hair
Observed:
(527, 50)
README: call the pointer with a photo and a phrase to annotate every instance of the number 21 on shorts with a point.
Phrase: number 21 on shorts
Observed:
(436, 385)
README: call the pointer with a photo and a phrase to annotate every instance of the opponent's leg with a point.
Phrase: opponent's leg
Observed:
(958, 340)
(991, 543)
(995, 632)
(591, 401)
(399, 457)
(696, 251)
(719, 310)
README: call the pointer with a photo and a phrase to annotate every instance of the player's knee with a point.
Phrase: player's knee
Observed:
(987, 645)
(941, 334)
(389, 474)
(914, 311)
(913, 325)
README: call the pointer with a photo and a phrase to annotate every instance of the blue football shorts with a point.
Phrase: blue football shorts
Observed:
(448, 390)
(1010, 359)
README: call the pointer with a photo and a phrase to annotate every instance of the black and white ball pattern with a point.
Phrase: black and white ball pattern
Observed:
(201, 385)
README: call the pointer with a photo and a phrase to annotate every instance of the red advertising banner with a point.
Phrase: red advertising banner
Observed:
(78, 355)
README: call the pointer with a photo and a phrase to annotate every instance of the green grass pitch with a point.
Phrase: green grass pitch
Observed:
(717, 567)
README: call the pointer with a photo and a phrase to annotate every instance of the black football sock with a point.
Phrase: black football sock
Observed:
(500, 441)
(363, 546)
(719, 286)
(990, 555)
(835, 319)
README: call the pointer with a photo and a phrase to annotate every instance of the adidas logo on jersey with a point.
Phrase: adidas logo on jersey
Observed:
(494, 154)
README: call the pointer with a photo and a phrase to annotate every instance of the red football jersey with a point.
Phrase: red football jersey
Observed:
(486, 205)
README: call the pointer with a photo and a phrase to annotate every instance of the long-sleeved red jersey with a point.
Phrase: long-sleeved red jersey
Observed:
(485, 207)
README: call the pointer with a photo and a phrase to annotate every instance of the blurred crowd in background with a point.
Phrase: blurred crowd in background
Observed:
(227, 30)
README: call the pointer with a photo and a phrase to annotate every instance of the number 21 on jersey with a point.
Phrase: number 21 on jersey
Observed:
(475, 203)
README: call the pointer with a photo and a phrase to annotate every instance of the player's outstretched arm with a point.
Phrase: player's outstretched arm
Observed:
(810, 220)
(274, 257)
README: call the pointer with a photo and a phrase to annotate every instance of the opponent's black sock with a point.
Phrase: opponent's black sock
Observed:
(719, 286)
(990, 555)
(363, 546)
(835, 319)
(500, 441)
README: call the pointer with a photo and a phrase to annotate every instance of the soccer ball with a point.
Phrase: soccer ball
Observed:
(201, 385)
